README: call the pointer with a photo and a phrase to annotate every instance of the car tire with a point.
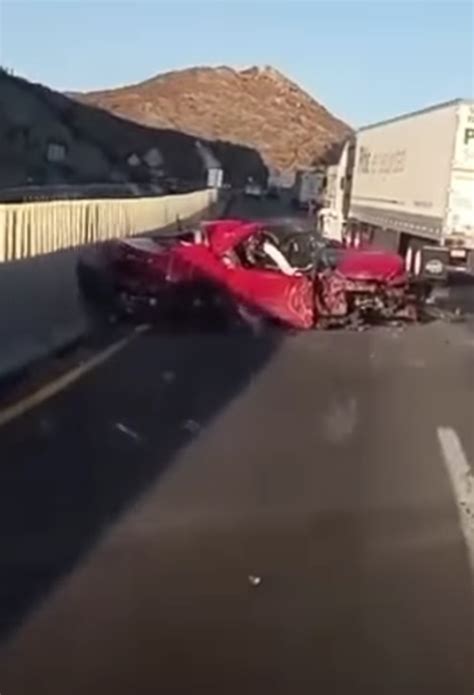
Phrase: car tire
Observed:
(89, 281)
(96, 290)
(414, 258)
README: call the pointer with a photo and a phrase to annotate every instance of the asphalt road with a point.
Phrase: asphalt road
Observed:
(136, 504)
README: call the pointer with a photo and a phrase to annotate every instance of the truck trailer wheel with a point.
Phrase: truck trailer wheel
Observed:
(414, 258)
(353, 238)
(418, 263)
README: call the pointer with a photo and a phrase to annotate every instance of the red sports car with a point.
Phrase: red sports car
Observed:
(237, 268)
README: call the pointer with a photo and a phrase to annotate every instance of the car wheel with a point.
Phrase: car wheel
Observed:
(94, 285)
(414, 258)
(96, 290)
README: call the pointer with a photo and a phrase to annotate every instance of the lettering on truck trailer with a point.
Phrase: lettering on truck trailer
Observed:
(381, 162)
(468, 141)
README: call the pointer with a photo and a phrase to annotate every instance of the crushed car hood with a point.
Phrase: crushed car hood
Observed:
(375, 266)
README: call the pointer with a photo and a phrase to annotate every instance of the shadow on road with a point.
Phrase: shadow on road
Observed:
(72, 466)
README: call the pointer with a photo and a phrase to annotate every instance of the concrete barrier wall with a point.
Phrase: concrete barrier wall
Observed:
(40, 307)
(32, 229)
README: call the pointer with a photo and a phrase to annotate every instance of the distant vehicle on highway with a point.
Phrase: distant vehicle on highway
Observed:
(277, 270)
(273, 192)
(253, 189)
(215, 177)
(308, 188)
(408, 184)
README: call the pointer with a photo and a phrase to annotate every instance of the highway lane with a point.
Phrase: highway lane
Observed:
(135, 504)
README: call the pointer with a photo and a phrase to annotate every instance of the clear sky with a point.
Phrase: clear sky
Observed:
(363, 60)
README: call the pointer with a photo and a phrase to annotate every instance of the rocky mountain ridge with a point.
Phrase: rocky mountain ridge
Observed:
(258, 107)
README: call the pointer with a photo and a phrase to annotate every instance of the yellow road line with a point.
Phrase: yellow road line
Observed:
(51, 389)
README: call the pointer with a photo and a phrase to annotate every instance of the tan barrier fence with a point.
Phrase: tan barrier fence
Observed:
(32, 229)
(40, 306)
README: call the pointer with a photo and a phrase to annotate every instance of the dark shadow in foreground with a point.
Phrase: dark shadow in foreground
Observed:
(72, 466)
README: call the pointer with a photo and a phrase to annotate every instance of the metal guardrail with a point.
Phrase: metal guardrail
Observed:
(32, 229)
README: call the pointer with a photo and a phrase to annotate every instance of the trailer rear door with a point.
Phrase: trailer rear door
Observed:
(460, 213)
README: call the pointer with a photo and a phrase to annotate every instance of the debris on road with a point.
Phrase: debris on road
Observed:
(127, 431)
(168, 376)
(444, 311)
(396, 333)
(192, 426)
(47, 427)
(254, 580)
(341, 420)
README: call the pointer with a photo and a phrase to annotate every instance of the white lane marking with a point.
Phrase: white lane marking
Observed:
(52, 388)
(128, 431)
(462, 481)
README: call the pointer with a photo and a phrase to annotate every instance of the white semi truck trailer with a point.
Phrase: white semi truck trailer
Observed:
(408, 184)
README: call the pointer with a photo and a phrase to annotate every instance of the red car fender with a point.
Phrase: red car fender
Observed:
(287, 298)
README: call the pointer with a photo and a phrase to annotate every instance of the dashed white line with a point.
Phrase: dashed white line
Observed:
(462, 481)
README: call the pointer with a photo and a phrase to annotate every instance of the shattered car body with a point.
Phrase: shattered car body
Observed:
(365, 285)
(278, 270)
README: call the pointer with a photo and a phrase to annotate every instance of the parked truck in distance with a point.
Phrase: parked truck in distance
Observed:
(215, 177)
(253, 189)
(408, 184)
(308, 188)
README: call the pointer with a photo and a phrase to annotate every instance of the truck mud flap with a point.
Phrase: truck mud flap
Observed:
(432, 264)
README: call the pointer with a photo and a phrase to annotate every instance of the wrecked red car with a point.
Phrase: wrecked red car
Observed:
(231, 268)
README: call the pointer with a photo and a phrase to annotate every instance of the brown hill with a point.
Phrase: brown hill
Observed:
(257, 107)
